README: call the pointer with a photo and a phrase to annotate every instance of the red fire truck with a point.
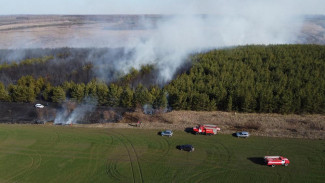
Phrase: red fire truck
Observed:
(206, 129)
(276, 160)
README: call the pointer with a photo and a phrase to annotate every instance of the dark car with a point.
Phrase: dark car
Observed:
(186, 147)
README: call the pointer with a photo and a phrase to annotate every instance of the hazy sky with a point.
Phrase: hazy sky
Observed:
(150, 6)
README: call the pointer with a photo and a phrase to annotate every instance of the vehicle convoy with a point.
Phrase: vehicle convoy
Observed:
(206, 129)
(276, 160)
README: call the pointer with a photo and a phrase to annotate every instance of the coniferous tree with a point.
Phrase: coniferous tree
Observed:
(58, 94)
(77, 92)
(4, 96)
(46, 94)
(102, 93)
(114, 95)
(142, 96)
(127, 97)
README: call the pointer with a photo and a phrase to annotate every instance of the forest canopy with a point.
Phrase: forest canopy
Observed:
(254, 78)
(271, 79)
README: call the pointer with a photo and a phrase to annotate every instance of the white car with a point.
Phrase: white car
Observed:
(39, 106)
(242, 134)
(168, 133)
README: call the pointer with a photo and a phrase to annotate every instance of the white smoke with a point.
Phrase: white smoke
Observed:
(148, 109)
(68, 116)
(231, 23)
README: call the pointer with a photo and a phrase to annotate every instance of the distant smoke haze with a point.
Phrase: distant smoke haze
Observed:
(155, 7)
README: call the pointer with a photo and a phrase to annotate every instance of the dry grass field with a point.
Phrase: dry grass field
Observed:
(310, 126)
(272, 125)
(51, 31)
(68, 31)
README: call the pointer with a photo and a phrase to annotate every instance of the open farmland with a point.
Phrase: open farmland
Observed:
(46, 153)
(52, 31)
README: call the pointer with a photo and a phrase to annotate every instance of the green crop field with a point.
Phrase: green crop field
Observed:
(31, 153)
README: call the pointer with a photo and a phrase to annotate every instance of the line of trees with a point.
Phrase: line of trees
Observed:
(29, 89)
(29, 61)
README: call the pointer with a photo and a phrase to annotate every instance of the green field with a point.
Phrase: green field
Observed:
(31, 153)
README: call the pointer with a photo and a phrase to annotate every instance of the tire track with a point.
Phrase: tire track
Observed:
(21, 171)
(215, 168)
(111, 169)
(168, 149)
(133, 155)
(137, 157)
(157, 155)
(108, 171)
(94, 155)
(90, 161)
(111, 164)
(35, 162)
(227, 150)
(163, 155)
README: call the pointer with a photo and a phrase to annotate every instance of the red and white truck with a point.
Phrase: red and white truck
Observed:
(206, 129)
(276, 160)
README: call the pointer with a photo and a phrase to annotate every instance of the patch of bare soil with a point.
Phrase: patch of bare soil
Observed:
(273, 125)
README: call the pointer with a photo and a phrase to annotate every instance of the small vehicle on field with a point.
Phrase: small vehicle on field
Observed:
(276, 160)
(168, 133)
(206, 129)
(242, 134)
(186, 147)
(39, 106)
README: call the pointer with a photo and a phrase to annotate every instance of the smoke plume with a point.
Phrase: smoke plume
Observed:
(233, 23)
(71, 113)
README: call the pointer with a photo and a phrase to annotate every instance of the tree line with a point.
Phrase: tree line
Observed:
(29, 89)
